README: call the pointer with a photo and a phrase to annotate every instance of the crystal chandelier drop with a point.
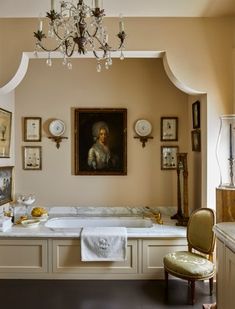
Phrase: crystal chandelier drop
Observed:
(78, 28)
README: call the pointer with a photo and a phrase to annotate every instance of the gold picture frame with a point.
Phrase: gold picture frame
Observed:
(169, 157)
(32, 157)
(196, 115)
(32, 129)
(169, 129)
(5, 133)
(92, 156)
(6, 184)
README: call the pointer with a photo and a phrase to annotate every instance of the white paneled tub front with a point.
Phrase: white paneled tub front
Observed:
(52, 250)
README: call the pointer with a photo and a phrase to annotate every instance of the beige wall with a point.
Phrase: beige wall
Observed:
(143, 88)
(199, 52)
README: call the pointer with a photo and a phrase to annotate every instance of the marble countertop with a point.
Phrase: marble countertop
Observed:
(225, 232)
(167, 230)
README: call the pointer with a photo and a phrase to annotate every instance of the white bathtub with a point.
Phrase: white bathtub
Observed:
(80, 222)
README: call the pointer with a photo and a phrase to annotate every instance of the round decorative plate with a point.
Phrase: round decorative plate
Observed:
(57, 127)
(143, 127)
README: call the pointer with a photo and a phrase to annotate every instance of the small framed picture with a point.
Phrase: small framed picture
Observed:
(169, 128)
(32, 129)
(6, 184)
(5, 133)
(169, 157)
(196, 140)
(32, 157)
(196, 114)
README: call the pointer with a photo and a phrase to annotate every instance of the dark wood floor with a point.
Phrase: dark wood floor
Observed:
(99, 294)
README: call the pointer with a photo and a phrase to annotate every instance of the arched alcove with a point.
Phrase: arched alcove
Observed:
(193, 95)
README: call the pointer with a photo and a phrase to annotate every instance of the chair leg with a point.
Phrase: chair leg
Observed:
(211, 285)
(166, 285)
(192, 284)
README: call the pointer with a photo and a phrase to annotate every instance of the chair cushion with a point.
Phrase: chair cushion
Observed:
(188, 265)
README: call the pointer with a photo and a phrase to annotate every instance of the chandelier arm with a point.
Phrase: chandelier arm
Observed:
(94, 34)
(70, 4)
(47, 50)
(106, 47)
(96, 55)
(66, 5)
(95, 37)
(55, 30)
(69, 54)
(72, 10)
(118, 48)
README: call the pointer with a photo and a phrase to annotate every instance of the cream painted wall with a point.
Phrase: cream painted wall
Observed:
(199, 51)
(143, 88)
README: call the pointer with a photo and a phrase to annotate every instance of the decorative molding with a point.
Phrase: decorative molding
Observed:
(26, 56)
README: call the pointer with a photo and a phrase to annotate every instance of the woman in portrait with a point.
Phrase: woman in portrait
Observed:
(100, 156)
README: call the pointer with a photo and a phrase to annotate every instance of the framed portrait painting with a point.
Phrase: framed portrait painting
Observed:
(169, 128)
(169, 157)
(32, 157)
(6, 184)
(5, 133)
(100, 141)
(32, 129)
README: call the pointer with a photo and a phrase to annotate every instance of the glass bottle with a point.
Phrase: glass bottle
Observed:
(225, 151)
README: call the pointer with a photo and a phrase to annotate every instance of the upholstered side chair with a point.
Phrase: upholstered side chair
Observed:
(197, 262)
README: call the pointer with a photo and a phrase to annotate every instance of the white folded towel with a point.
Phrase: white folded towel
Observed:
(103, 244)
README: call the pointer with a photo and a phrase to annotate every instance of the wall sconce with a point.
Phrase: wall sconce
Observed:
(57, 129)
(143, 129)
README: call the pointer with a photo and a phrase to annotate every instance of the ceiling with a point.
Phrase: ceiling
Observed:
(139, 8)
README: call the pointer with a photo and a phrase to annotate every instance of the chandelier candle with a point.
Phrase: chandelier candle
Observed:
(97, 4)
(52, 5)
(40, 25)
(121, 25)
(78, 28)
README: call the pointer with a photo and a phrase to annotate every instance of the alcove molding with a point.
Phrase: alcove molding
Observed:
(26, 56)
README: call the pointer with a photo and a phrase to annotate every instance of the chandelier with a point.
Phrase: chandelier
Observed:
(78, 28)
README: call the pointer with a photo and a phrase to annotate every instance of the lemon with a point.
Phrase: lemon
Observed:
(38, 211)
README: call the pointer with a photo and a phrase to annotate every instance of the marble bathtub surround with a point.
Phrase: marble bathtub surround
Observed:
(159, 231)
(54, 211)
(168, 229)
